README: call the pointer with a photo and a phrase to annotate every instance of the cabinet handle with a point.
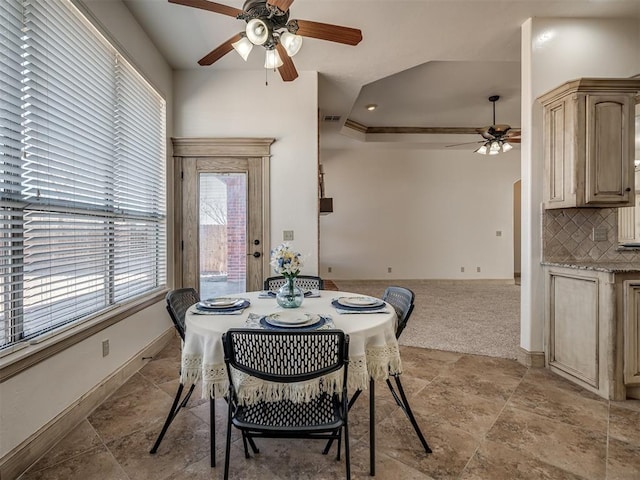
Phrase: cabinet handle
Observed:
(628, 189)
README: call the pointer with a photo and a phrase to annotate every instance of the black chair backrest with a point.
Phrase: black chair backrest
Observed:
(283, 356)
(401, 299)
(178, 302)
(304, 282)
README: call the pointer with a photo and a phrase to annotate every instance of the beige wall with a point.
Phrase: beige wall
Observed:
(424, 213)
(238, 104)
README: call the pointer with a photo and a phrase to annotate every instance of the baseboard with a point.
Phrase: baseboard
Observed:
(33, 448)
(531, 359)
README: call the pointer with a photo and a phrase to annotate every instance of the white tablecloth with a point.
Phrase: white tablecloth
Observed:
(373, 348)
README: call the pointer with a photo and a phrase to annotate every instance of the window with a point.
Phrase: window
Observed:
(82, 178)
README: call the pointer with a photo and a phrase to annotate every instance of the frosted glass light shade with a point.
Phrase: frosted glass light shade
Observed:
(482, 150)
(291, 43)
(257, 31)
(243, 47)
(506, 146)
(494, 149)
(272, 59)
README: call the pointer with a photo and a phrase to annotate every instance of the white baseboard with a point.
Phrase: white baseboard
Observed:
(33, 448)
(531, 359)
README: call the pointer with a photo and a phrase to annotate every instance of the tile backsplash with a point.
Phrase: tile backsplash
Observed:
(567, 236)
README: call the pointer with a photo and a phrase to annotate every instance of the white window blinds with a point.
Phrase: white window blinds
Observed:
(82, 155)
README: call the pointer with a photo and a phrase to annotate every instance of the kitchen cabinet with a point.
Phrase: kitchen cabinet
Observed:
(592, 327)
(589, 135)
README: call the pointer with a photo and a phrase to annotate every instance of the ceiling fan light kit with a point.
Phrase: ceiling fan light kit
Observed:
(268, 25)
(496, 136)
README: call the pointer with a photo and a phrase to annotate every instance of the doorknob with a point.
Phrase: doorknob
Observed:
(256, 242)
(255, 254)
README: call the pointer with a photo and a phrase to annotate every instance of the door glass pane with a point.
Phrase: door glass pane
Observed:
(223, 233)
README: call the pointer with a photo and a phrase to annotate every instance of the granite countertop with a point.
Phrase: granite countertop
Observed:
(613, 267)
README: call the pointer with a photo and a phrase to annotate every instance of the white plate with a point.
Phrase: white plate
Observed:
(359, 301)
(221, 302)
(292, 319)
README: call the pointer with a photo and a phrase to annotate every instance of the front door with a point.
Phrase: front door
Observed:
(223, 232)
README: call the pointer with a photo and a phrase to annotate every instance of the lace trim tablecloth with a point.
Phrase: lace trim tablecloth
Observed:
(377, 363)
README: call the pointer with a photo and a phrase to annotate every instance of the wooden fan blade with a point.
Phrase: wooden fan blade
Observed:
(465, 143)
(211, 6)
(326, 31)
(281, 4)
(514, 140)
(215, 55)
(288, 70)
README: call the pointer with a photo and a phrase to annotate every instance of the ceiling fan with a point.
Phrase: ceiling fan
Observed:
(496, 137)
(269, 26)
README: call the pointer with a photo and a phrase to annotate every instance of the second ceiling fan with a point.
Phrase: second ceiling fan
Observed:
(497, 137)
(269, 26)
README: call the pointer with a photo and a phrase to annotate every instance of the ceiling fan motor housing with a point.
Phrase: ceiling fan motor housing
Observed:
(276, 18)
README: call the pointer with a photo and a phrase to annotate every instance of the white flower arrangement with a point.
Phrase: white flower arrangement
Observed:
(285, 261)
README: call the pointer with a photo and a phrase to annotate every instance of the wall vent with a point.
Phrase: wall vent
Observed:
(332, 118)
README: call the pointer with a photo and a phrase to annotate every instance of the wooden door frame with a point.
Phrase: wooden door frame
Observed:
(190, 149)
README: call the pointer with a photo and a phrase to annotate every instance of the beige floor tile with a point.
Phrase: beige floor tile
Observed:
(95, 464)
(576, 450)
(556, 402)
(162, 370)
(496, 462)
(623, 462)
(80, 441)
(624, 423)
(469, 412)
(187, 442)
(123, 415)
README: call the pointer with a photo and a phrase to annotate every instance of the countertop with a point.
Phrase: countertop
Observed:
(615, 267)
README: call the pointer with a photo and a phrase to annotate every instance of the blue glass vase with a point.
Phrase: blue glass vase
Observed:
(289, 295)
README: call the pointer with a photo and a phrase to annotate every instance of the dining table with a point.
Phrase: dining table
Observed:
(370, 323)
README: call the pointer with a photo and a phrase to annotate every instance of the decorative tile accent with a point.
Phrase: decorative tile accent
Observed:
(567, 236)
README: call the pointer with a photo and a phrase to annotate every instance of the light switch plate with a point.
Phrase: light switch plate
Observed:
(287, 235)
(599, 234)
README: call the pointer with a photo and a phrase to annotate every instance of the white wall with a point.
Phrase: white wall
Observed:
(555, 51)
(424, 213)
(239, 104)
(36, 396)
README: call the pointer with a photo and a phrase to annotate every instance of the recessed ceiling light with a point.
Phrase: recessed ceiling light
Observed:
(371, 107)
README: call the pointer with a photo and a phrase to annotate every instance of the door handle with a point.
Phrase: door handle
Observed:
(255, 254)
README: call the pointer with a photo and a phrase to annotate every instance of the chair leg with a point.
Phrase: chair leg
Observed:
(212, 428)
(227, 450)
(351, 402)
(347, 453)
(407, 410)
(372, 427)
(175, 408)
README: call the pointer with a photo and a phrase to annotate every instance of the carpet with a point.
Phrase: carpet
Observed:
(477, 317)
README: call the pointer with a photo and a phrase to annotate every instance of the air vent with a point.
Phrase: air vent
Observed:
(332, 118)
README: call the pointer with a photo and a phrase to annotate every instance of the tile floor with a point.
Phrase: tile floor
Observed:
(485, 418)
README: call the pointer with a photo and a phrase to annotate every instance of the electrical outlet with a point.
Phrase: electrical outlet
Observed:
(287, 235)
(105, 348)
(478, 269)
(461, 269)
(329, 269)
(498, 233)
(388, 269)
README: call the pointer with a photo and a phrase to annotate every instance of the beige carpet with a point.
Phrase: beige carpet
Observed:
(478, 317)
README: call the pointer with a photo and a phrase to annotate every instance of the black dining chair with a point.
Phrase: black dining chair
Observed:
(178, 302)
(402, 301)
(304, 282)
(288, 357)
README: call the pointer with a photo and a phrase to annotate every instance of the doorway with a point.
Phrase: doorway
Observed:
(222, 214)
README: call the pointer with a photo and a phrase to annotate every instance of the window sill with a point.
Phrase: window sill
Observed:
(30, 354)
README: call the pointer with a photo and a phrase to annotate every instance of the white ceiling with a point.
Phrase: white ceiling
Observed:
(424, 62)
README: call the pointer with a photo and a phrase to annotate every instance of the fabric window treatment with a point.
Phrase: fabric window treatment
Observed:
(82, 172)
